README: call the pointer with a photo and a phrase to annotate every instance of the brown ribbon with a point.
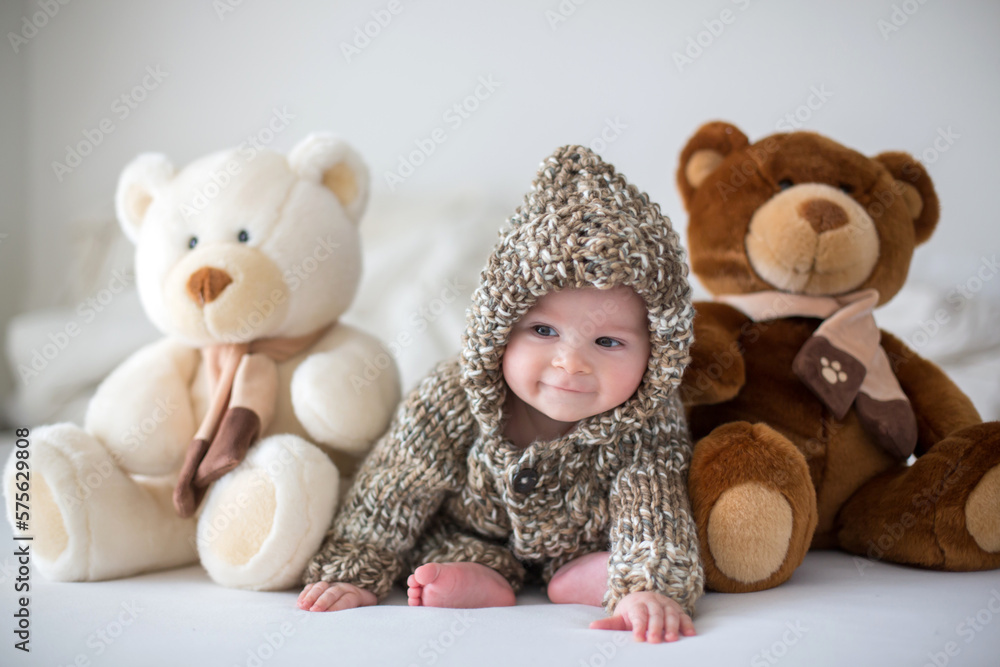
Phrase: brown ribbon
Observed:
(843, 363)
(243, 381)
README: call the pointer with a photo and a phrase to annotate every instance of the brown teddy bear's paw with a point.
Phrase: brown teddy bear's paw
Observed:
(754, 504)
(942, 512)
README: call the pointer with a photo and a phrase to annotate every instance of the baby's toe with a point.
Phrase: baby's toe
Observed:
(426, 574)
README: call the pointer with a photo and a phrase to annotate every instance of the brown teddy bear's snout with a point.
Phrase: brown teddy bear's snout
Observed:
(814, 239)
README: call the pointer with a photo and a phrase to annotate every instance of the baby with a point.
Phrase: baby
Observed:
(556, 446)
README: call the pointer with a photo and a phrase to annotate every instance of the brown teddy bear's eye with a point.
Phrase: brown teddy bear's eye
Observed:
(784, 184)
(846, 188)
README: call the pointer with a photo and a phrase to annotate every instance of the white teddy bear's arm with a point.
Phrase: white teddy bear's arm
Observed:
(345, 393)
(142, 411)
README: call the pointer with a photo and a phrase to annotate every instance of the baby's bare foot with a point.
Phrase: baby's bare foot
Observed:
(458, 586)
(583, 580)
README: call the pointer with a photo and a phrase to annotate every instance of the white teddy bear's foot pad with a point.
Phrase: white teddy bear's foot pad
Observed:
(76, 486)
(263, 521)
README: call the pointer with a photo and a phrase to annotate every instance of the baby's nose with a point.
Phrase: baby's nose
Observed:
(571, 359)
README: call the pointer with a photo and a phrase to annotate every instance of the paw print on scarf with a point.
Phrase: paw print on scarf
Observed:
(831, 371)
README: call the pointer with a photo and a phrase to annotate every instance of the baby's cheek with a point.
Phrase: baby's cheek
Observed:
(518, 367)
(626, 378)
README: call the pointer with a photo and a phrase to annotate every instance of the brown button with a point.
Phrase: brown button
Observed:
(525, 480)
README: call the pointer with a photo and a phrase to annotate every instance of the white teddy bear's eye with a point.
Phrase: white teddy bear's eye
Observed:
(243, 236)
(192, 242)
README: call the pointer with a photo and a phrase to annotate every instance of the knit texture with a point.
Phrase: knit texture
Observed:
(440, 485)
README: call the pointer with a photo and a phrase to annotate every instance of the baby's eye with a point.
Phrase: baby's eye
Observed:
(543, 330)
(604, 341)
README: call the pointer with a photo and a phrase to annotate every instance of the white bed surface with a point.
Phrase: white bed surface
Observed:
(836, 610)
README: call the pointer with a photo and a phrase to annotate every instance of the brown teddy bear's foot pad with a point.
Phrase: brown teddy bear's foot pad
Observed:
(754, 504)
(749, 530)
(982, 512)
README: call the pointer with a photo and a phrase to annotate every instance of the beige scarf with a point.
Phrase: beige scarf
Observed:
(843, 363)
(243, 381)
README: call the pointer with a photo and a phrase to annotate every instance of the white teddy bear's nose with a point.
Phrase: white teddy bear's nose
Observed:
(206, 284)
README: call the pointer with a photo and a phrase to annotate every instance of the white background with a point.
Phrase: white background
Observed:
(560, 82)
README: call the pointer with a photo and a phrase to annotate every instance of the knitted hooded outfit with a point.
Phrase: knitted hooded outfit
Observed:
(443, 484)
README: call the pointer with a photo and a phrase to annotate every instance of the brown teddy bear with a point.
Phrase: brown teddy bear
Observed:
(803, 412)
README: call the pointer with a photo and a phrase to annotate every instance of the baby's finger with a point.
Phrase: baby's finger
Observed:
(310, 598)
(654, 633)
(327, 599)
(610, 623)
(639, 619)
(302, 595)
(687, 626)
(673, 620)
(348, 600)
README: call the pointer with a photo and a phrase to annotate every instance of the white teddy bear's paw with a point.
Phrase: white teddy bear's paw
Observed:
(345, 396)
(90, 520)
(263, 521)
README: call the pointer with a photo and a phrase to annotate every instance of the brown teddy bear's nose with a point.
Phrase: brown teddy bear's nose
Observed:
(206, 284)
(823, 214)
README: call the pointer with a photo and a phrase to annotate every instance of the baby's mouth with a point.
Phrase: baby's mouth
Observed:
(566, 388)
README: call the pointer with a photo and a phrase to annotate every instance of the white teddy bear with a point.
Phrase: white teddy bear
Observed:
(244, 260)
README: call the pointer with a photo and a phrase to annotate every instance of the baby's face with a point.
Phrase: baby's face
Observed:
(578, 352)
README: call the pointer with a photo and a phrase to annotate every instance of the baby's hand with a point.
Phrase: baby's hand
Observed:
(324, 596)
(650, 616)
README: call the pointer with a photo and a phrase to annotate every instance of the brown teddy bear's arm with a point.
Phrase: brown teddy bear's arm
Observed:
(940, 406)
(716, 372)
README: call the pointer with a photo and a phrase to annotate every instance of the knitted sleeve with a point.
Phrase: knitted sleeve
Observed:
(399, 487)
(654, 540)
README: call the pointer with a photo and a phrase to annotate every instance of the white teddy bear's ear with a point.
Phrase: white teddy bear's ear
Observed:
(138, 184)
(327, 159)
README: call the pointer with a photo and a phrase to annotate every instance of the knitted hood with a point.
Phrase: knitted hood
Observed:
(582, 224)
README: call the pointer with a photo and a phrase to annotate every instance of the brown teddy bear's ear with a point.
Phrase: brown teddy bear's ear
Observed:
(704, 152)
(918, 191)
